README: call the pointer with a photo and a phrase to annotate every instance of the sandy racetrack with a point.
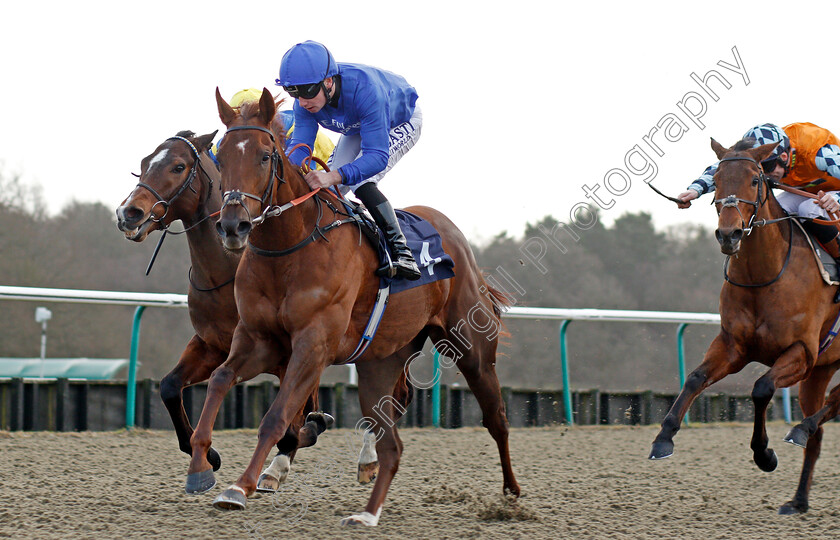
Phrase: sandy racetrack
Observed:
(589, 482)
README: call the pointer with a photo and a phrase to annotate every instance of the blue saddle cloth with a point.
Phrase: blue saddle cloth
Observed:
(426, 246)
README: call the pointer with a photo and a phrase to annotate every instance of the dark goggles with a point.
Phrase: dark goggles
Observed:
(769, 165)
(305, 91)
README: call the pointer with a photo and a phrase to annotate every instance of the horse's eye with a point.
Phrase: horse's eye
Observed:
(755, 181)
(178, 169)
(266, 157)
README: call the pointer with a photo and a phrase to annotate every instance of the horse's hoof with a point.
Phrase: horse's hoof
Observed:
(200, 482)
(214, 458)
(268, 484)
(230, 499)
(324, 420)
(791, 508)
(367, 473)
(661, 450)
(365, 518)
(767, 461)
(797, 436)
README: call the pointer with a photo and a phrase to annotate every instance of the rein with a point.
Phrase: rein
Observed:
(733, 201)
(235, 197)
(188, 183)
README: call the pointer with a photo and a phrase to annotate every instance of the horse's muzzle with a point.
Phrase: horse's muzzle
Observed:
(729, 239)
(132, 221)
(234, 231)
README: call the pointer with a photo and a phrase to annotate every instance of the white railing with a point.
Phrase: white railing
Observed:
(143, 300)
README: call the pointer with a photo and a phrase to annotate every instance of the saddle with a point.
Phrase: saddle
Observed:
(826, 264)
(421, 237)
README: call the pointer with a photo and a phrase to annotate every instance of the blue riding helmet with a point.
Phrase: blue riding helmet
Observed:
(306, 63)
(769, 133)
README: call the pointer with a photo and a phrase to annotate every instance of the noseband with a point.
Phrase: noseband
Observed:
(731, 201)
(187, 183)
(235, 196)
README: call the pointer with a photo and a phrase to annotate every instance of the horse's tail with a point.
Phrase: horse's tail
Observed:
(501, 302)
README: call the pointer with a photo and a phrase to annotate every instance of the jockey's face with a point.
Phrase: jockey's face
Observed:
(777, 173)
(317, 103)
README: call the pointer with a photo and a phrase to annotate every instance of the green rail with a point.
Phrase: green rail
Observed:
(131, 390)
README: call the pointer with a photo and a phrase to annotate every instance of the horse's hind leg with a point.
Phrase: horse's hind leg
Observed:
(788, 369)
(377, 380)
(478, 368)
(721, 359)
(368, 466)
(800, 433)
(296, 437)
(196, 364)
(811, 396)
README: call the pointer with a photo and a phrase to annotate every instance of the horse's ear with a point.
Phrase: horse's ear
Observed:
(720, 151)
(204, 142)
(267, 107)
(226, 112)
(763, 152)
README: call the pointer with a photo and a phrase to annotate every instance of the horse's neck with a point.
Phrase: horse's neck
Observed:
(765, 249)
(294, 224)
(211, 263)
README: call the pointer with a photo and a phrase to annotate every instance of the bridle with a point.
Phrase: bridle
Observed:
(235, 196)
(187, 184)
(731, 201)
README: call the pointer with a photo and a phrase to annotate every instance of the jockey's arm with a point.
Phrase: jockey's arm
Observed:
(375, 142)
(828, 160)
(704, 184)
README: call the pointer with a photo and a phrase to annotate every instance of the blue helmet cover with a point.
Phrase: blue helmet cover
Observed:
(306, 63)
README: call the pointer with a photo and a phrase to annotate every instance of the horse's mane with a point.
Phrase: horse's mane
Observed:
(185, 134)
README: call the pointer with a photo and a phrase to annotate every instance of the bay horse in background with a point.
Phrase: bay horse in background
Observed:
(305, 296)
(176, 183)
(774, 308)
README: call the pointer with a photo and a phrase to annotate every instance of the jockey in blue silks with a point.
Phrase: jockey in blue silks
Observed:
(375, 111)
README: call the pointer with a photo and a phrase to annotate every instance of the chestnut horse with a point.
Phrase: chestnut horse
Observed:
(305, 291)
(774, 307)
(176, 183)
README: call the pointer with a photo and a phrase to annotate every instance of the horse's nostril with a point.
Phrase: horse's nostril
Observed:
(244, 228)
(737, 234)
(130, 215)
(219, 228)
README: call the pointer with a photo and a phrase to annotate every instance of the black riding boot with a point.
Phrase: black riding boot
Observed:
(401, 257)
(828, 236)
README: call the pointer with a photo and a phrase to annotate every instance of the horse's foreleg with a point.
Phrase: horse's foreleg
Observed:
(196, 364)
(240, 366)
(788, 369)
(300, 381)
(720, 360)
(811, 396)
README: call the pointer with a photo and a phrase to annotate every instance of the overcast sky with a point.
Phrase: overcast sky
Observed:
(527, 105)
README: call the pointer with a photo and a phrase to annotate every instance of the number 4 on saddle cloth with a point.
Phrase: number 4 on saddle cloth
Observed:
(426, 247)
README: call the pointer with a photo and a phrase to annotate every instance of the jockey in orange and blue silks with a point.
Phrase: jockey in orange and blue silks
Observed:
(376, 113)
(807, 157)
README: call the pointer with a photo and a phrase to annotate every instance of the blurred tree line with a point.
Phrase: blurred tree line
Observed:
(628, 265)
